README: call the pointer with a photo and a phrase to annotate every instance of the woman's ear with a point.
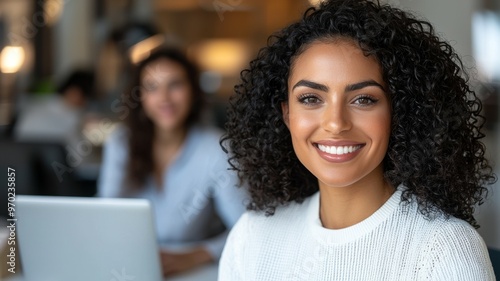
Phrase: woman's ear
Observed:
(285, 112)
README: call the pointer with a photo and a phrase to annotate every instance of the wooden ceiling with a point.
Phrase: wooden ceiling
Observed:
(253, 20)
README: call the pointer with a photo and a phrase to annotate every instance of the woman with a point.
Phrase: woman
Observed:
(163, 155)
(358, 138)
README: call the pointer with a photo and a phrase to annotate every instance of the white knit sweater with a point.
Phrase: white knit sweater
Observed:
(395, 243)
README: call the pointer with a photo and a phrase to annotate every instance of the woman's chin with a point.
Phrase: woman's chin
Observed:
(169, 125)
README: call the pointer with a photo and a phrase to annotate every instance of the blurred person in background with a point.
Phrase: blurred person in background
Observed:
(57, 118)
(164, 155)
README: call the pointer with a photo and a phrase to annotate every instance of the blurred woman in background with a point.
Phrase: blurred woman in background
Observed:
(163, 154)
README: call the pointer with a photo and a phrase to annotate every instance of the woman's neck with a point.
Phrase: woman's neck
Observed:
(173, 138)
(167, 145)
(341, 207)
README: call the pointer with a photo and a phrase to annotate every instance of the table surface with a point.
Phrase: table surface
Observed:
(205, 273)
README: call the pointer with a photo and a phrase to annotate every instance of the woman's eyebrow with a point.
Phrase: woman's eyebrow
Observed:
(312, 85)
(348, 88)
(363, 84)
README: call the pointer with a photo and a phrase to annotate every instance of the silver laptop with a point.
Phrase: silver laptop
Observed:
(71, 238)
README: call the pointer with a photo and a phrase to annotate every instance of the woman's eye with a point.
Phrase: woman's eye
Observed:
(365, 101)
(175, 85)
(310, 100)
(149, 87)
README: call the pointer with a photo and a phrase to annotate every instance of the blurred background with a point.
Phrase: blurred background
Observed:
(80, 51)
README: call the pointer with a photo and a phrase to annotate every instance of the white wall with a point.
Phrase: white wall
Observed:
(73, 43)
(452, 19)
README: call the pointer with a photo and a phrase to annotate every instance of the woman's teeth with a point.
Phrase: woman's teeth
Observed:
(338, 150)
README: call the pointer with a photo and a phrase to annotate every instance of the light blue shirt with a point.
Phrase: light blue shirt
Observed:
(199, 198)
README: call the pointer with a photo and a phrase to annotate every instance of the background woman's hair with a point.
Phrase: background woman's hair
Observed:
(141, 128)
(434, 147)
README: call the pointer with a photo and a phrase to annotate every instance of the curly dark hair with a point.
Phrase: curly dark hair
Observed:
(434, 147)
(140, 164)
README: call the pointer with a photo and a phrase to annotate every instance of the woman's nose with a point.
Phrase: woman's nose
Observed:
(165, 93)
(335, 118)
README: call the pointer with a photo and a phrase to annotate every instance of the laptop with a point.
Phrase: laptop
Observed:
(82, 239)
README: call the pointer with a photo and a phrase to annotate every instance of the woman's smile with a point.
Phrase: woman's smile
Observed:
(338, 152)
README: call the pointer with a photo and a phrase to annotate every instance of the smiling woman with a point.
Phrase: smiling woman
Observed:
(359, 141)
(156, 155)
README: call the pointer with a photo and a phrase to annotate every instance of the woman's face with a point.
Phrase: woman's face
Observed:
(338, 113)
(166, 94)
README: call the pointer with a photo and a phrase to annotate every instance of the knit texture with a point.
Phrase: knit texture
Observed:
(395, 243)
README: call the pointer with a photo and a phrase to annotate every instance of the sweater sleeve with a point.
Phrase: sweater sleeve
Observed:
(112, 173)
(231, 262)
(229, 201)
(458, 253)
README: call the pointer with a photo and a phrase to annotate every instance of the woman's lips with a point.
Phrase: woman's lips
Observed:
(166, 110)
(338, 152)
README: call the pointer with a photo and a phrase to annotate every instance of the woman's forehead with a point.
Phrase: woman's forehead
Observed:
(162, 68)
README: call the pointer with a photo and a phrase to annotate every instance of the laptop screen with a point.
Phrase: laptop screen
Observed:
(72, 238)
